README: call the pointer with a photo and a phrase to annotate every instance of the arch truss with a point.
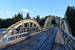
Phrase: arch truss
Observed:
(21, 29)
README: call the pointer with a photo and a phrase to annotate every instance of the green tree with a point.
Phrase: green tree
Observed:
(1, 20)
(38, 18)
(42, 21)
(5, 23)
(54, 22)
(28, 16)
(70, 17)
(9, 22)
(18, 17)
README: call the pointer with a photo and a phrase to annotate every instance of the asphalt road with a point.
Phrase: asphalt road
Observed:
(41, 41)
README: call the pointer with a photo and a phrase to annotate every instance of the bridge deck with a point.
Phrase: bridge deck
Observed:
(42, 41)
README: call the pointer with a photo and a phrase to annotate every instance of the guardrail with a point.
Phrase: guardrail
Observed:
(69, 40)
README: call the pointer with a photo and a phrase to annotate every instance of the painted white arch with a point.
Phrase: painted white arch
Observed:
(64, 26)
(16, 25)
(47, 24)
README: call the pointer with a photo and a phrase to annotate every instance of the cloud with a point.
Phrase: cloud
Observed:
(25, 10)
(9, 3)
(7, 12)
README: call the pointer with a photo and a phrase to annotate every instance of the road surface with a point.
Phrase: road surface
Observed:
(43, 41)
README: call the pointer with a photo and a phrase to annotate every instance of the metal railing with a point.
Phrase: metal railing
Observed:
(69, 40)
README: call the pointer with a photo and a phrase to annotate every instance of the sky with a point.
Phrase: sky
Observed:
(8, 8)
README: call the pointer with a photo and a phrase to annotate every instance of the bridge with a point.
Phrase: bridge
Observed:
(28, 35)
